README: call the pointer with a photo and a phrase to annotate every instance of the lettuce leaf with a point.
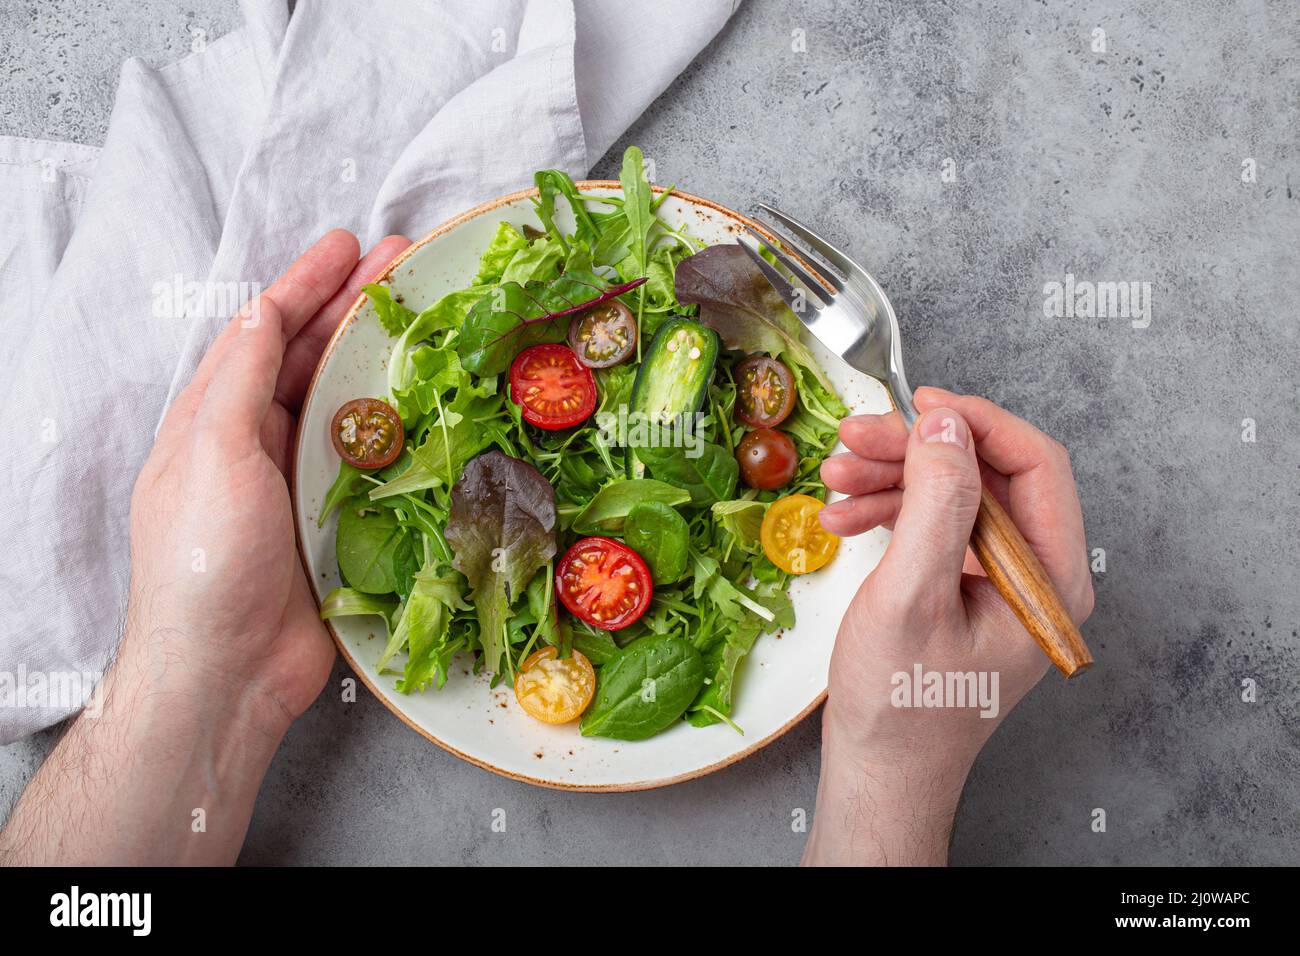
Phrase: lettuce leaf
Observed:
(393, 315)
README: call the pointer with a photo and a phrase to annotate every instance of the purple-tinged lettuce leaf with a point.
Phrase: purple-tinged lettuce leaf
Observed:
(501, 529)
(737, 302)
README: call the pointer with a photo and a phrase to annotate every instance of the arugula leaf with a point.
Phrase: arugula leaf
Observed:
(393, 315)
(608, 509)
(456, 437)
(732, 599)
(501, 529)
(660, 270)
(637, 196)
(737, 302)
(513, 317)
(344, 487)
(717, 696)
(553, 182)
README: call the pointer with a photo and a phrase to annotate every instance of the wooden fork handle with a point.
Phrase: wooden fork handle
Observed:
(1019, 577)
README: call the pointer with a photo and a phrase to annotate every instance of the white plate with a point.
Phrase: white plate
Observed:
(781, 682)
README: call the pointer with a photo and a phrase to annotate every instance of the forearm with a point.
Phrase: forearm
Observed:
(877, 811)
(166, 773)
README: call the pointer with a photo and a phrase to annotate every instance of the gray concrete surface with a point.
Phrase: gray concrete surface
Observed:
(1122, 165)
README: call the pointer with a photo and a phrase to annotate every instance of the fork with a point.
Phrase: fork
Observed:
(846, 310)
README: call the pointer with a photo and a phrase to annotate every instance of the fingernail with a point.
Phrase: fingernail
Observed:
(933, 392)
(943, 425)
(843, 506)
(858, 419)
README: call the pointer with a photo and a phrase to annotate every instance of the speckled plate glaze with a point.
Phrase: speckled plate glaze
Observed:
(785, 677)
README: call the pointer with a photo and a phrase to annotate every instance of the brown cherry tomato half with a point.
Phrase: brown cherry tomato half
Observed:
(603, 582)
(552, 387)
(765, 391)
(367, 433)
(767, 459)
(603, 335)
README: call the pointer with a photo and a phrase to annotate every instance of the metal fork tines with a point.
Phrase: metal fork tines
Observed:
(836, 299)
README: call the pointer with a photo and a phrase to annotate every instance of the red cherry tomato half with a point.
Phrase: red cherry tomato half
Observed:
(765, 391)
(552, 387)
(367, 433)
(603, 582)
(767, 459)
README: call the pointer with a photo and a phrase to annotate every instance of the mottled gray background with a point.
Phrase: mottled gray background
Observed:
(1122, 165)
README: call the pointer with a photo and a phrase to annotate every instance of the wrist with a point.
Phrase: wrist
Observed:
(884, 803)
(183, 672)
(169, 751)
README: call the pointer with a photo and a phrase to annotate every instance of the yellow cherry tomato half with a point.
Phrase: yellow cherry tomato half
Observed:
(793, 538)
(555, 690)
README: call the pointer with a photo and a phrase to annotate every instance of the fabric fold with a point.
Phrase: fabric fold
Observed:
(117, 264)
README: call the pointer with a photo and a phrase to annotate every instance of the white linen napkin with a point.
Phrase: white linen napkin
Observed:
(380, 117)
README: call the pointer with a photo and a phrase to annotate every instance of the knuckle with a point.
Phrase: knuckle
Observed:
(950, 482)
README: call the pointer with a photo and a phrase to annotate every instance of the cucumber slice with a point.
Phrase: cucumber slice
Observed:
(674, 376)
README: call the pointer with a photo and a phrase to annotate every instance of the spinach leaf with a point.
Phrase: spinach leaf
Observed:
(709, 477)
(513, 317)
(372, 548)
(737, 302)
(456, 437)
(661, 536)
(608, 509)
(643, 690)
(597, 646)
(501, 529)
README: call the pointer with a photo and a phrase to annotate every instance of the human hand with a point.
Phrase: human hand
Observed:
(223, 645)
(929, 603)
(215, 575)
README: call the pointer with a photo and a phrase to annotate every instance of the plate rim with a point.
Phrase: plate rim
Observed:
(583, 185)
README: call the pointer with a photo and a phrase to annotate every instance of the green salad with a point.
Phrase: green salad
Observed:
(595, 470)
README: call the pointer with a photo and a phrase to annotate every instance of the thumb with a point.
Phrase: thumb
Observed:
(941, 496)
